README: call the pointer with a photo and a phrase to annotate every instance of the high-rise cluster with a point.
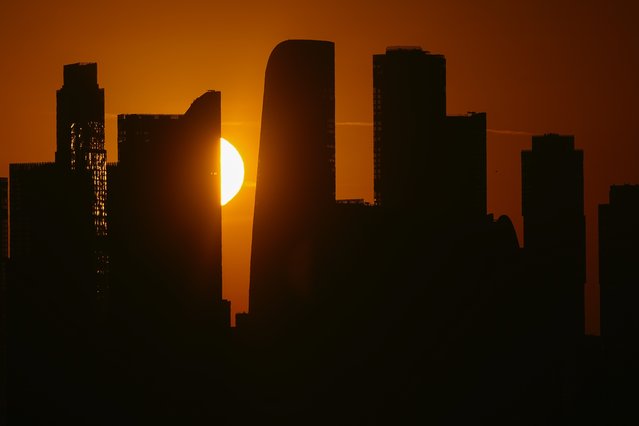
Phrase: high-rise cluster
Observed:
(108, 282)
(420, 307)
(423, 272)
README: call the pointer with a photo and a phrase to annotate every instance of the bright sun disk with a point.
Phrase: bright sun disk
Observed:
(232, 168)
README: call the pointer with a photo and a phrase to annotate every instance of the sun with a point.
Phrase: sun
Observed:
(232, 171)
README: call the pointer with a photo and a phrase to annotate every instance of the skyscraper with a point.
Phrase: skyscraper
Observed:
(58, 261)
(618, 260)
(165, 241)
(4, 218)
(51, 294)
(427, 164)
(554, 226)
(4, 254)
(80, 132)
(295, 177)
(80, 116)
(463, 175)
(409, 109)
(80, 150)
(165, 216)
(619, 286)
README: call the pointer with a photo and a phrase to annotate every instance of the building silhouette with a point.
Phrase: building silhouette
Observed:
(51, 294)
(554, 228)
(57, 270)
(426, 164)
(409, 109)
(451, 272)
(295, 178)
(618, 260)
(4, 257)
(166, 312)
(618, 283)
(463, 176)
(165, 215)
(421, 308)
(80, 118)
(429, 177)
(80, 149)
(4, 218)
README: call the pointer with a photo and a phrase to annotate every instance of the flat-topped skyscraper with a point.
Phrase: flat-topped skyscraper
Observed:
(409, 109)
(4, 218)
(618, 260)
(80, 148)
(463, 175)
(80, 117)
(554, 224)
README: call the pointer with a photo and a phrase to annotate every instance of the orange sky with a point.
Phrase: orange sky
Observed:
(544, 66)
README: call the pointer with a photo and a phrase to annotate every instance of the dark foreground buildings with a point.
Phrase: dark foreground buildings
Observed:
(111, 323)
(4, 257)
(422, 156)
(619, 284)
(422, 307)
(419, 309)
(4, 218)
(57, 270)
(555, 252)
(369, 311)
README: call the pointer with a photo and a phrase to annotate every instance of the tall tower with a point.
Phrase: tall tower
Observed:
(80, 116)
(51, 292)
(166, 217)
(409, 109)
(619, 286)
(463, 175)
(80, 148)
(4, 254)
(295, 177)
(4, 218)
(554, 226)
(618, 260)
(58, 262)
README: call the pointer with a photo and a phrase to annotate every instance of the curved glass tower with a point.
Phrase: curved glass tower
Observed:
(295, 178)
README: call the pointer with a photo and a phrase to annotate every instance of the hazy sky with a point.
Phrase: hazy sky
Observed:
(535, 67)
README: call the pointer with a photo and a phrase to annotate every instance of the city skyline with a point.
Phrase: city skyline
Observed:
(499, 70)
(426, 290)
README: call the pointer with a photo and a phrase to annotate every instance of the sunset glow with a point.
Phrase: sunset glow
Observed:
(232, 171)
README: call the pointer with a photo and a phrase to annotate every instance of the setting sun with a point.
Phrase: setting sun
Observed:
(232, 171)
